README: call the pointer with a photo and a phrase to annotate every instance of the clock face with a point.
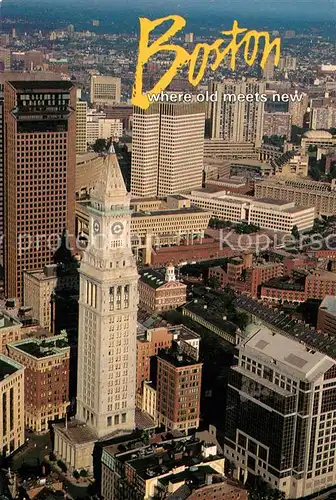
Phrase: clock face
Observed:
(96, 226)
(117, 228)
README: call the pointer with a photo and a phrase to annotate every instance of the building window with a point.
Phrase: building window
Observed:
(116, 419)
(109, 421)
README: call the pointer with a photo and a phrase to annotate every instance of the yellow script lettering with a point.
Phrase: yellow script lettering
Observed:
(201, 51)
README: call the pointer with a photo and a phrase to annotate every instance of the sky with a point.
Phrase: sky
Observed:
(298, 10)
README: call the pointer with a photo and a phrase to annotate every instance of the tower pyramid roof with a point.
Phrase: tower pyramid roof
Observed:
(111, 183)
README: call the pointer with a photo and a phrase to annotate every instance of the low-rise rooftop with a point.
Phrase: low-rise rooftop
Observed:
(176, 358)
(161, 458)
(42, 348)
(6, 321)
(40, 85)
(152, 278)
(176, 211)
(280, 321)
(183, 332)
(8, 367)
(328, 304)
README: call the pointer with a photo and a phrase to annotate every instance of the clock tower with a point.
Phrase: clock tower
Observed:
(108, 306)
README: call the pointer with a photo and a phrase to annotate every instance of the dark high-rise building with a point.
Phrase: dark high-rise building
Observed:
(39, 174)
(281, 408)
(7, 76)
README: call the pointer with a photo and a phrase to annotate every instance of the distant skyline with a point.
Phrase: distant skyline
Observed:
(111, 12)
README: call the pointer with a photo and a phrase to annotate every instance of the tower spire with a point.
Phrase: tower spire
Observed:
(111, 184)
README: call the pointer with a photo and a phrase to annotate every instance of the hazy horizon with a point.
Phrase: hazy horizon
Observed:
(324, 10)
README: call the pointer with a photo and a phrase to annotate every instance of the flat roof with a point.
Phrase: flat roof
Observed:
(184, 332)
(162, 458)
(177, 359)
(273, 201)
(6, 321)
(326, 275)
(288, 326)
(285, 350)
(250, 163)
(77, 432)
(176, 211)
(42, 348)
(329, 304)
(198, 475)
(8, 367)
(41, 85)
(177, 196)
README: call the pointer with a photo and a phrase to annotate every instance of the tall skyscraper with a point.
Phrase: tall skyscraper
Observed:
(105, 89)
(145, 147)
(235, 121)
(108, 310)
(298, 110)
(40, 149)
(81, 124)
(268, 70)
(287, 63)
(6, 77)
(323, 117)
(5, 59)
(167, 149)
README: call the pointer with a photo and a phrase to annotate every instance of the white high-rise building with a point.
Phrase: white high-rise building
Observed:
(105, 89)
(167, 148)
(108, 305)
(238, 121)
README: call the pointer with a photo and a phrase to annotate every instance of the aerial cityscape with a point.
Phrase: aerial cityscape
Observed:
(168, 250)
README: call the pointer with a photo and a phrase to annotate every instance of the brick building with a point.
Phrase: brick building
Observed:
(178, 391)
(326, 319)
(158, 292)
(10, 331)
(148, 345)
(47, 364)
(245, 276)
(166, 469)
(317, 285)
(276, 294)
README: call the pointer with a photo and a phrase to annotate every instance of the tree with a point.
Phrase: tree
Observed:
(263, 491)
(62, 466)
(245, 228)
(213, 282)
(230, 467)
(213, 222)
(144, 436)
(99, 146)
(295, 232)
(83, 473)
